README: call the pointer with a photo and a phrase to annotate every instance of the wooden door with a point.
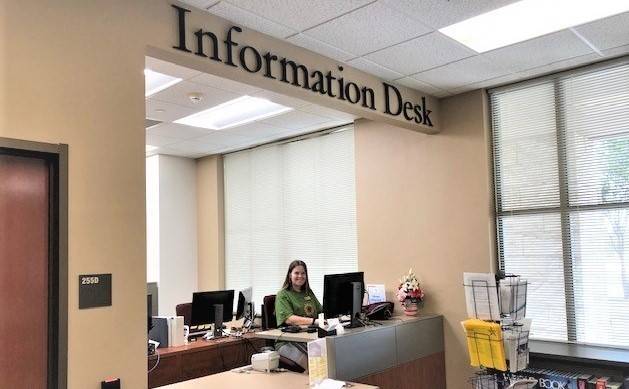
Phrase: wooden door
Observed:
(24, 262)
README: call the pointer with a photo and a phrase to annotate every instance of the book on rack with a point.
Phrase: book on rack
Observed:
(582, 381)
(484, 344)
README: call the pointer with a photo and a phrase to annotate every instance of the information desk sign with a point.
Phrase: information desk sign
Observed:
(94, 290)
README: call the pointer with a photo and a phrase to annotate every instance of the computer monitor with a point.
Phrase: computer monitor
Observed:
(151, 288)
(340, 297)
(244, 300)
(203, 305)
(149, 312)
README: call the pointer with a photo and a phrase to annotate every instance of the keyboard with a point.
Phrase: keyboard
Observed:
(291, 329)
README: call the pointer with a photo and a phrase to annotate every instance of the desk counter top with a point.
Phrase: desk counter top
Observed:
(276, 334)
(200, 344)
(258, 380)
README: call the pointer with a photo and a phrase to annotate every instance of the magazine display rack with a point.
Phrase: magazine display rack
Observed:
(497, 332)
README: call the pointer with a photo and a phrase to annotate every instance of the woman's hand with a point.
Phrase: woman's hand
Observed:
(295, 320)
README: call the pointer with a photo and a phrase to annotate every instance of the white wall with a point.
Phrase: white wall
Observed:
(177, 232)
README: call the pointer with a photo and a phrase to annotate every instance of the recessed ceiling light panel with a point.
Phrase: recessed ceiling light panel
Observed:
(528, 19)
(233, 113)
(155, 82)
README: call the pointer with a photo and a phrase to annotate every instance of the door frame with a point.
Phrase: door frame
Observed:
(57, 156)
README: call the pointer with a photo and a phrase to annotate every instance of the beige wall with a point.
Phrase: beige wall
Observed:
(423, 201)
(71, 72)
(211, 231)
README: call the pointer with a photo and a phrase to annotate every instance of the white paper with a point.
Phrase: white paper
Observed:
(329, 383)
(513, 297)
(515, 339)
(175, 326)
(335, 324)
(481, 296)
(317, 361)
(376, 293)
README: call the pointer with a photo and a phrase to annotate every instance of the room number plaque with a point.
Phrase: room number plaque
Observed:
(94, 290)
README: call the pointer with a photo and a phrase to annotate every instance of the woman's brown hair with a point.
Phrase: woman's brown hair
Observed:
(288, 285)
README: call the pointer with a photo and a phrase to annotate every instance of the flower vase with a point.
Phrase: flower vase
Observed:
(411, 307)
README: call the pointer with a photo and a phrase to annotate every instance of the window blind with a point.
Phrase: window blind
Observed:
(288, 201)
(561, 171)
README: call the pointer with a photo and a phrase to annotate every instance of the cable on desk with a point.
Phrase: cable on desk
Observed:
(156, 363)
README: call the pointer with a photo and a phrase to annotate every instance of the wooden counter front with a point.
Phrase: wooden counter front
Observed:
(201, 358)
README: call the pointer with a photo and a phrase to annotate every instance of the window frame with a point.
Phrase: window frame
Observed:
(564, 209)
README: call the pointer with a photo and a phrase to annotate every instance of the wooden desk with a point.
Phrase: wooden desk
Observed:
(201, 358)
(228, 379)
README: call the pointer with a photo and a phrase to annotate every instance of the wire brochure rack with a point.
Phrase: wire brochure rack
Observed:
(497, 331)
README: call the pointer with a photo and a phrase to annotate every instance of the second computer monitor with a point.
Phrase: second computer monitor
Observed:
(244, 299)
(203, 306)
(338, 294)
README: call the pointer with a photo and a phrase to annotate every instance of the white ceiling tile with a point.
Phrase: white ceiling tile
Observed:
(487, 83)
(616, 51)
(420, 86)
(287, 101)
(295, 120)
(441, 13)
(319, 47)
(168, 68)
(422, 53)
(250, 20)
(222, 138)
(375, 69)
(540, 51)
(318, 127)
(224, 84)
(299, 14)
(165, 112)
(328, 112)
(463, 72)
(442, 94)
(202, 4)
(159, 141)
(607, 33)
(559, 66)
(192, 148)
(368, 29)
(178, 131)
(254, 130)
(178, 94)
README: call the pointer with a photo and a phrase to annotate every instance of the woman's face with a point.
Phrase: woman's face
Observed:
(298, 277)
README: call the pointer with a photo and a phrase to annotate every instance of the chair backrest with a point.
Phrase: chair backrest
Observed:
(184, 310)
(269, 311)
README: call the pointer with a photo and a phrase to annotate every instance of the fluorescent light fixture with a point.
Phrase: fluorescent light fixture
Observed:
(233, 113)
(528, 19)
(155, 82)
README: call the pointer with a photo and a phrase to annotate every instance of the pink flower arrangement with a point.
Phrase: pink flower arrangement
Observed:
(409, 288)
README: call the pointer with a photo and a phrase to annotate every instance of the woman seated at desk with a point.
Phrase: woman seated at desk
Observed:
(296, 304)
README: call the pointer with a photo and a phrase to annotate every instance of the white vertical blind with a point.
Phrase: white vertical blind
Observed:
(290, 201)
(561, 159)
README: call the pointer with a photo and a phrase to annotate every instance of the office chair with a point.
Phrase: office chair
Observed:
(269, 311)
(184, 310)
(269, 320)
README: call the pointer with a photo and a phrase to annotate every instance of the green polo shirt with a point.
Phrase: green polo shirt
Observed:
(289, 302)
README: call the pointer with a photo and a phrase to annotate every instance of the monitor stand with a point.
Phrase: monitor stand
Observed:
(218, 320)
(249, 317)
(357, 301)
